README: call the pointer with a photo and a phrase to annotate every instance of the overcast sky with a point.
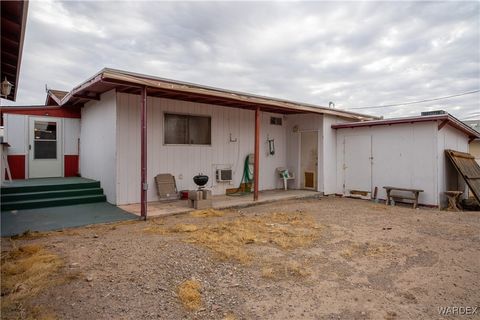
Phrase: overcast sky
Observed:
(354, 54)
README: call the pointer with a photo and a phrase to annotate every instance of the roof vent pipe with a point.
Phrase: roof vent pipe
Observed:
(331, 105)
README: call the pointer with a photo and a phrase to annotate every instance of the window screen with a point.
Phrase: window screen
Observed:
(187, 129)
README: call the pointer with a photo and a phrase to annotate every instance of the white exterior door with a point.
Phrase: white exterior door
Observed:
(308, 159)
(45, 157)
(357, 166)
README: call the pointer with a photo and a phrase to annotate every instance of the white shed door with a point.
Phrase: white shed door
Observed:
(45, 148)
(357, 164)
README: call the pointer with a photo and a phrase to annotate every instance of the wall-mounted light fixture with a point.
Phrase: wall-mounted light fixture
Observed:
(6, 87)
(271, 146)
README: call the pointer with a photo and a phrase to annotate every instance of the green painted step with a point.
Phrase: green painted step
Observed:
(50, 187)
(50, 194)
(52, 202)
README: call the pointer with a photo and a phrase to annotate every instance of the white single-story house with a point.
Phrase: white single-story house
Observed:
(123, 129)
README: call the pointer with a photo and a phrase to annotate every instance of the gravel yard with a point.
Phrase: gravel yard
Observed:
(328, 258)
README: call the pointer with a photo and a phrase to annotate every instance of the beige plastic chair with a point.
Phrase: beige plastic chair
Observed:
(286, 175)
(166, 186)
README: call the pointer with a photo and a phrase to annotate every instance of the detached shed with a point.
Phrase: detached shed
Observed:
(403, 152)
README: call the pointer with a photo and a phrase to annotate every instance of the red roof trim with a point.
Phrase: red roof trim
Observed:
(48, 111)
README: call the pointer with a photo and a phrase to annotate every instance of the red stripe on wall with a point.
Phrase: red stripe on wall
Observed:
(71, 165)
(60, 112)
(17, 166)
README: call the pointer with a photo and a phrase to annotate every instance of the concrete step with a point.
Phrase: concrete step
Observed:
(50, 194)
(52, 202)
(49, 187)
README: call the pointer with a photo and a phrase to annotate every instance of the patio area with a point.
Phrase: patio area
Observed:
(58, 218)
(47, 204)
(166, 208)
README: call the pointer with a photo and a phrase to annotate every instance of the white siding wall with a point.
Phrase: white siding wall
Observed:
(474, 149)
(71, 134)
(16, 133)
(184, 162)
(329, 154)
(98, 141)
(448, 177)
(269, 163)
(404, 155)
(303, 122)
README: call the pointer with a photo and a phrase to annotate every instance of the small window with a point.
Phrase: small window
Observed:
(276, 121)
(187, 129)
(45, 140)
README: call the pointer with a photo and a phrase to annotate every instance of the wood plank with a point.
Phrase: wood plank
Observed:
(402, 189)
(467, 167)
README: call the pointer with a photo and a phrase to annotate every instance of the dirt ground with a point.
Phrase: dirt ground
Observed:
(327, 258)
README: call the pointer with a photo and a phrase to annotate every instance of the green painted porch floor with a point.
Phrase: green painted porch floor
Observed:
(57, 218)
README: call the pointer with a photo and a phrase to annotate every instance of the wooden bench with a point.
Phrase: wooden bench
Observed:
(414, 197)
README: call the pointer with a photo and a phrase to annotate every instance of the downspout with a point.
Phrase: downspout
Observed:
(143, 142)
(256, 170)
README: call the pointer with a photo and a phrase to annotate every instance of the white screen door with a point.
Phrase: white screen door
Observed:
(45, 148)
(357, 164)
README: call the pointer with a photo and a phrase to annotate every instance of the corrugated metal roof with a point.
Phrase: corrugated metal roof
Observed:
(468, 168)
(124, 81)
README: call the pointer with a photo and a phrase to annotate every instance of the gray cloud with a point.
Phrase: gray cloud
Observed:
(355, 54)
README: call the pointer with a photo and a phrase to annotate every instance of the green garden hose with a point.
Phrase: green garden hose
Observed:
(247, 177)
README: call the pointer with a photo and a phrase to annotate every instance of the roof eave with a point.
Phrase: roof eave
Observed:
(136, 80)
(51, 95)
(451, 120)
(22, 38)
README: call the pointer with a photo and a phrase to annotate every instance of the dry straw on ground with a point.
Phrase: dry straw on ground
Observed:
(288, 269)
(39, 313)
(189, 294)
(207, 213)
(26, 271)
(231, 239)
(230, 316)
(184, 228)
(367, 250)
(178, 228)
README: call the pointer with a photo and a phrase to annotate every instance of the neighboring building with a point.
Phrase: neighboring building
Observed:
(474, 146)
(191, 129)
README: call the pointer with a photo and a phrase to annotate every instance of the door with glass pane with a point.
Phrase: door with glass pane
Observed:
(45, 148)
